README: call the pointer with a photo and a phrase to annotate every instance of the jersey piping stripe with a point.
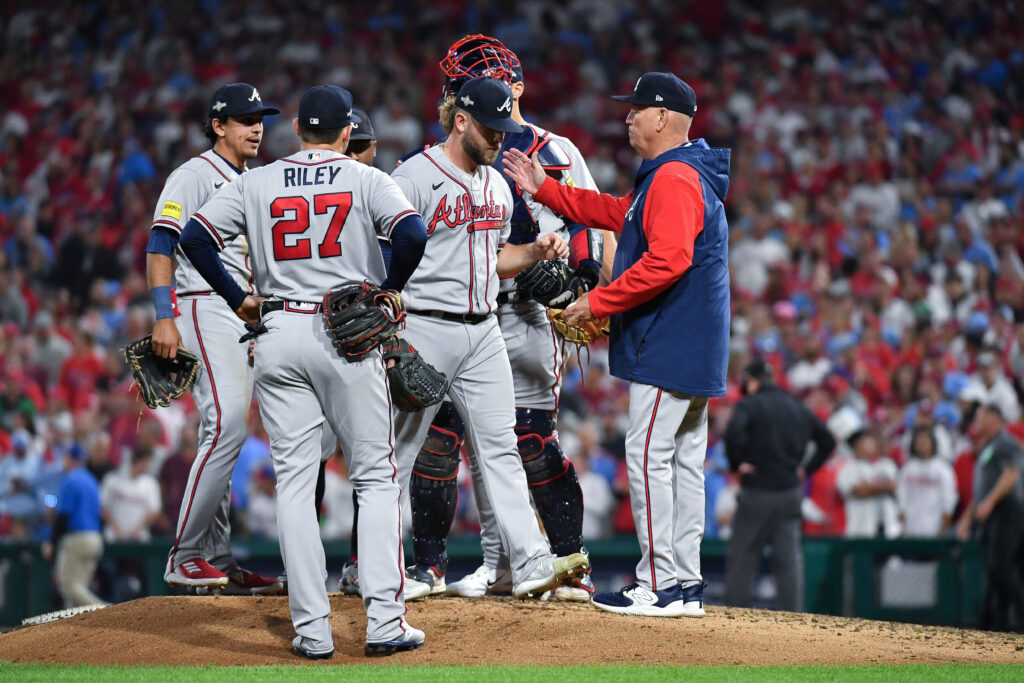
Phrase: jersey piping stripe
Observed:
(215, 167)
(209, 229)
(216, 434)
(487, 282)
(647, 493)
(400, 217)
(317, 163)
(161, 223)
(394, 479)
(487, 250)
(252, 274)
(472, 268)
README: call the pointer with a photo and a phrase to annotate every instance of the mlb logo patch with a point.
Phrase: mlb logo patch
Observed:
(314, 156)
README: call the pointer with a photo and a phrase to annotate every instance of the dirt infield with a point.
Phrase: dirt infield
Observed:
(240, 630)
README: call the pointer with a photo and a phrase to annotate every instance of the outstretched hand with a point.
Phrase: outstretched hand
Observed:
(525, 171)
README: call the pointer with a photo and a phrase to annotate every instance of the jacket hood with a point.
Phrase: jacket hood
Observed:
(711, 163)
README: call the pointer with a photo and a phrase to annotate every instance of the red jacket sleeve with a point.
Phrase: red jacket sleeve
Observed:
(588, 207)
(673, 218)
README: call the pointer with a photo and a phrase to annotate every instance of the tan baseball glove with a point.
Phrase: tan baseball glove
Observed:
(581, 335)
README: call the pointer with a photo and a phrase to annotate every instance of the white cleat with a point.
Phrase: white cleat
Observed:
(548, 575)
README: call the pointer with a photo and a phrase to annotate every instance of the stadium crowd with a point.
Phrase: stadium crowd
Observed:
(875, 211)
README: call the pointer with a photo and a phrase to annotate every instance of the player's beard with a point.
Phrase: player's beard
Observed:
(476, 152)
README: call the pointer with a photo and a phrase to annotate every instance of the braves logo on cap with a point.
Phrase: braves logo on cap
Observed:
(255, 97)
(507, 106)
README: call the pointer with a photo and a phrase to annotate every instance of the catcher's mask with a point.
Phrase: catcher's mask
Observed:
(474, 56)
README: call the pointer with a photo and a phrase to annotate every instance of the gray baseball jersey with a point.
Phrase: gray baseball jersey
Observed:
(468, 220)
(186, 189)
(312, 220)
(301, 214)
(459, 276)
(223, 389)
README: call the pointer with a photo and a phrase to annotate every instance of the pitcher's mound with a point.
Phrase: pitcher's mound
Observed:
(242, 630)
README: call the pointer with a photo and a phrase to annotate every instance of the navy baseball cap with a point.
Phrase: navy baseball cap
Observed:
(362, 129)
(237, 99)
(325, 107)
(659, 89)
(489, 101)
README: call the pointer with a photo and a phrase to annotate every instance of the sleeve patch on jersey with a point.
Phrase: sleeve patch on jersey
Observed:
(569, 181)
(172, 210)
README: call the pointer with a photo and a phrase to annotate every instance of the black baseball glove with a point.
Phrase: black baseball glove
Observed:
(415, 384)
(553, 283)
(160, 379)
(359, 318)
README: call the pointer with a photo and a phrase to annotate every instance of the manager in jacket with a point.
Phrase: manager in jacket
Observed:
(669, 307)
(773, 441)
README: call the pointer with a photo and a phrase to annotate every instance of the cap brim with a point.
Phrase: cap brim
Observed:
(266, 111)
(630, 99)
(502, 124)
(358, 136)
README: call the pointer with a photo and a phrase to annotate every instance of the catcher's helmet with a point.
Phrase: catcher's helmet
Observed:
(474, 56)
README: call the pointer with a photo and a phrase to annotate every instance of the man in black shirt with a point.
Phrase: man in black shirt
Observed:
(767, 441)
(997, 506)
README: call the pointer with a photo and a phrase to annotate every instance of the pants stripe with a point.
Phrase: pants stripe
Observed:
(394, 478)
(216, 434)
(647, 493)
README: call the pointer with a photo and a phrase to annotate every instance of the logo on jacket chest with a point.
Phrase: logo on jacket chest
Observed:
(629, 212)
(462, 211)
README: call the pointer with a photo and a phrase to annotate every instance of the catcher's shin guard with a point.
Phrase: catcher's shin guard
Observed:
(552, 479)
(434, 489)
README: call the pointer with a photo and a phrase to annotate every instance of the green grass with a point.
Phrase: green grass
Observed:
(494, 674)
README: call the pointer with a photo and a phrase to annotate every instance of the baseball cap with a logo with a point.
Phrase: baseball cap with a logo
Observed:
(489, 101)
(659, 89)
(362, 129)
(325, 107)
(237, 99)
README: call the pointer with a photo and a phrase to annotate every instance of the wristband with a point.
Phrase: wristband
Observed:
(162, 302)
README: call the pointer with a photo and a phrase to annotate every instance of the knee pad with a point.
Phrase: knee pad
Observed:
(433, 489)
(438, 459)
(553, 482)
(538, 446)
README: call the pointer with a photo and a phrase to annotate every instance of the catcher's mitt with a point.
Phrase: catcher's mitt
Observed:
(581, 335)
(553, 283)
(160, 379)
(543, 280)
(415, 384)
(359, 318)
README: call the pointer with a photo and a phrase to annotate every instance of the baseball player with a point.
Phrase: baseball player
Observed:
(452, 299)
(362, 147)
(535, 353)
(312, 220)
(201, 555)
